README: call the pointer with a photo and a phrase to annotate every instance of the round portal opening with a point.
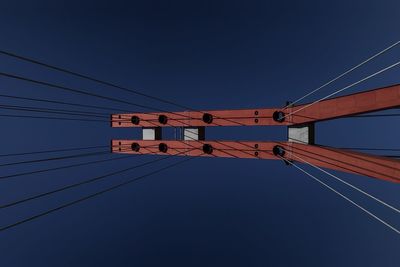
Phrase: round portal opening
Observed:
(208, 149)
(163, 147)
(135, 120)
(135, 147)
(162, 119)
(279, 116)
(208, 118)
(278, 151)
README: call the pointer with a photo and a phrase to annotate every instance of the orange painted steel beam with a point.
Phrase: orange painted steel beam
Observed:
(369, 101)
(226, 149)
(379, 167)
(349, 105)
(240, 117)
(337, 159)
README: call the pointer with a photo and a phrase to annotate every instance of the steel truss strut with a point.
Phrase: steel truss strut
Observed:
(298, 119)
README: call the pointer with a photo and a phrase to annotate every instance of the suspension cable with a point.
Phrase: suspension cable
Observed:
(78, 91)
(63, 70)
(103, 118)
(98, 193)
(69, 89)
(344, 88)
(376, 115)
(89, 78)
(344, 73)
(343, 196)
(348, 184)
(90, 113)
(87, 114)
(63, 103)
(51, 111)
(50, 118)
(51, 151)
(343, 162)
(81, 155)
(372, 149)
(64, 167)
(246, 152)
(97, 178)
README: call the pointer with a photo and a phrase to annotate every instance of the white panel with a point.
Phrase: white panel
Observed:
(299, 134)
(149, 134)
(190, 134)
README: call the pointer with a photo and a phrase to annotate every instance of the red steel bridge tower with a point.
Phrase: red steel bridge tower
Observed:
(299, 146)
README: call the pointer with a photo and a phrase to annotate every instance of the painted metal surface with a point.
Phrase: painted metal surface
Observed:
(337, 159)
(369, 101)
(228, 149)
(384, 168)
(347, 161)
(349, 105)
(241, 117)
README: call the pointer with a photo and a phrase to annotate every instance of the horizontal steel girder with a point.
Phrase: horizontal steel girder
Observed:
(337, 159)
(349, 105)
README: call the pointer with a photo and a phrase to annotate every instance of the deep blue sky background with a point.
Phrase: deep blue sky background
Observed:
(207, 55)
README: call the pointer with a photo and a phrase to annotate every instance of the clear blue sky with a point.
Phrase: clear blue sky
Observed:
(207, 55)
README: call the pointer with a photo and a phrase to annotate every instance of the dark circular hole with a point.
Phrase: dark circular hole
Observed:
(207, 148)
(278, 151)
(135, 147)
(162, 119)
(119, 149)
(256, 153)
(135, 120)
(256, 120)
(256, 146)
(208, 118)
(256, 112)
(163, 147)
(278, 116)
